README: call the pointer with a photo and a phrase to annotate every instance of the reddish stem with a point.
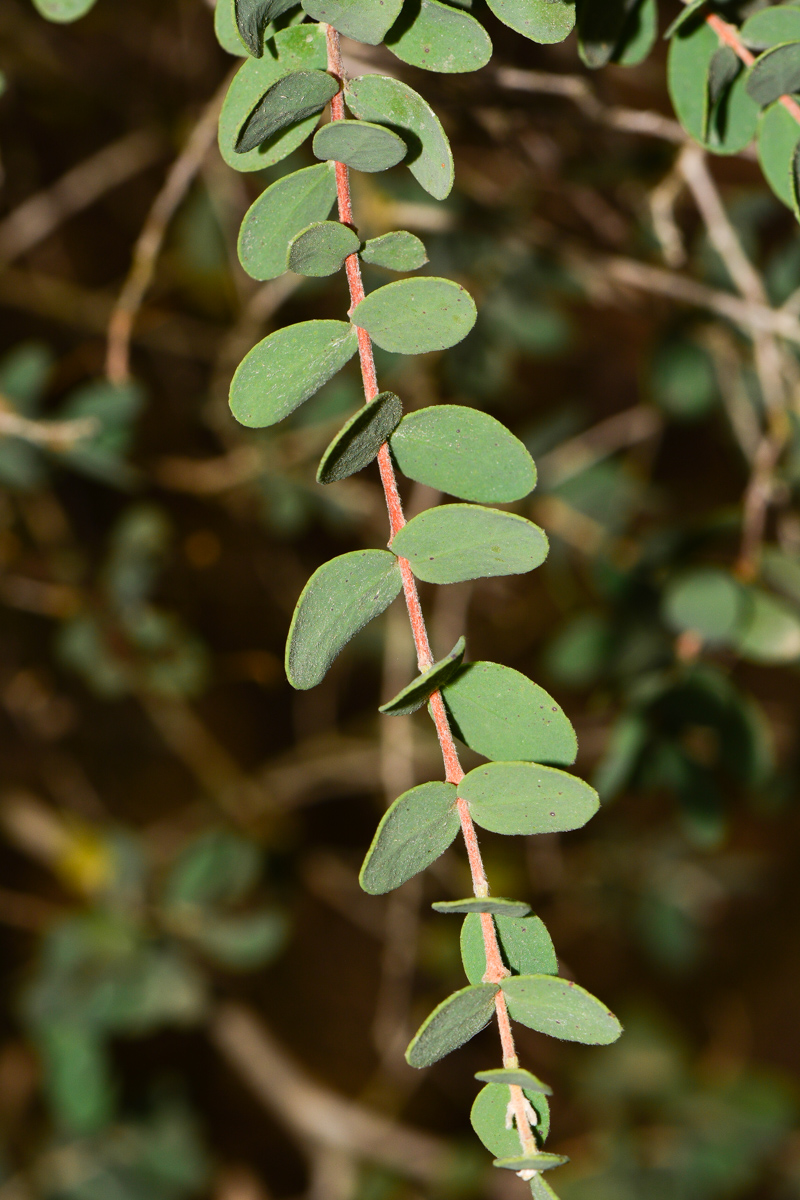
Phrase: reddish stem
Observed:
(729, 36)
(495, 967)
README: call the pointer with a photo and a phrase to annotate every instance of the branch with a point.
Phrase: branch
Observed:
(52, 435)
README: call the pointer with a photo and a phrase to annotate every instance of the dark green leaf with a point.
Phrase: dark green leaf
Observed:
(725, 65)
(684, 16)
(399, 251)
(460, 541)
(24, 373)
(435, 37)
(464, 452)
(600, 25)
(252, 18)
(560, 1009)
(114, 407)
(525, 944)
(361, 145)
(244, 941)
(524, 798)
(454, 1022)
(279, 214)
(340, 598)
(532, 1162)
(63, 10)
(415, 316)
(502, 715)
(299, 48)
(777, 141)
(775, 73)
(490, 1118)
(514, 1075)
(639, 34)
(543, 21)
(289, 101)
(708, 602)
(217, 868)
(795, 181)
(418, 827)
(393, 103)
(363, 20)
(321, 248)
(287, 367)
(735, 118)
(414, 695)
(496, 905)
(356, 445)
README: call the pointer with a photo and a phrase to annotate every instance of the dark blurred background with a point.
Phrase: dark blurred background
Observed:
(197, 999)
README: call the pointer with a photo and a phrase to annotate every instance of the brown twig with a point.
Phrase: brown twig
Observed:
(51, 435)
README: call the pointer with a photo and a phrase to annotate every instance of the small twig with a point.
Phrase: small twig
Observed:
(624, 429)
(661, 202)
(53, 435)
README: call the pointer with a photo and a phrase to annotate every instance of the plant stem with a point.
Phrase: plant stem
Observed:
(495, 967)
(729, 36)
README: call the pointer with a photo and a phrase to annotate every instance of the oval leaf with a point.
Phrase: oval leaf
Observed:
(544, 21)
(454, 1022)
(771, 632)
(357, 444)
(525, 944)
(322, 248)
(418, 827)
(435, 37)
(225, 29)
(363, 20)
(501, 714)
(771, 26)
(252, 18)
(400, 251)
(361, 145)
(340, 598)
(600, 25)
(708, 602)
(639, 34)
(287, 367)
(429, 159)
(490, 1116)
(464, 452)
(778, 136)
(290, 100)
(281, 212)
(63, 11)
(688, 66)
(455, 542)
(496, 905)
(524, 798)
(532, 1162)
(299, 48)
(775, 73)
(415, 316)
(514, 1075)
(560, 1009)
(414, 695)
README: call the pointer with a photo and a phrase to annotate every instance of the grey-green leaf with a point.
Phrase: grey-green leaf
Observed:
(340, 598)
(502, 715)
(299, 48)
(358, 442)
(524, 798)
(531, 1162)
(225, 29)
(418, 827)
(490, 1119)
(771, 26)
(496, 905)
(414, 695)
(400, 251)
(734, 122)
(436, 37)
(454, 1022)
(362, 145)
(777, 142)
(252, 18)
(415, 316)
(287, 102)
(706, 601)
(464, 452)
(454, 542)
(543, 21)
(287, 207)
(321, 248)
(286, 368)
(525, 944)
(393, 103)
(63, 11)
(560, 1009)
(771, 632)
(363, 20)
(516, 1076)
(775, 73)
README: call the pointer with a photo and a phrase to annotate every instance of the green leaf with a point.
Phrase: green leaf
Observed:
(358, 442)
(393, 103)
(415, 316)
(455, 542)
(496, 905)
(24, 373)
(771, 631)
(532, 1162)
(541, 1190)
(795, 181)
(560, 1009)
(114, 407)
(639, 34)
(361, 145)
(524, 798)
(287, 207)
(525, 944)
(225, 28)
(684, 16)
(340, 598)
(454, 1022)
(490, 1117)
(252, 18)
(708, 602)
(688, 66)
(244, 941)
(543, 21)
(63, 11)
(287, 367)
(321, 248)
(435, 37)
(414, 695)
(778, 135)
(501, 714)
(400, 251)
(299, 48)
(364, 20)
(600, 25)
(771, 26)
(287, 102)
(217, 868)
(77, 1076)
(418, 827)
(514, 1075)
(464, 452)
(725, 65)
(775, 73)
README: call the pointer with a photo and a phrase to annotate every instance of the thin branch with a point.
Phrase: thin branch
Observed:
(52, 435)
(624, 429)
